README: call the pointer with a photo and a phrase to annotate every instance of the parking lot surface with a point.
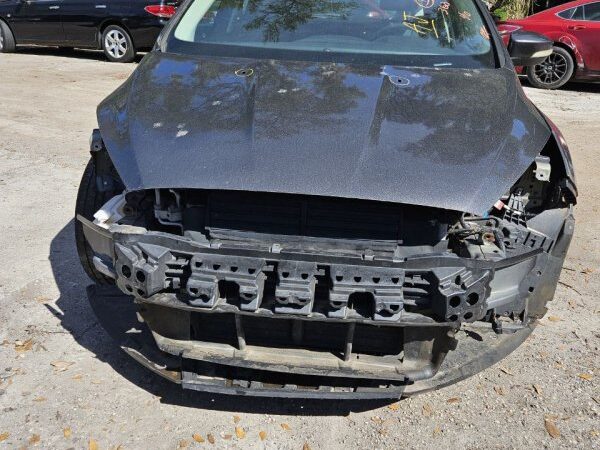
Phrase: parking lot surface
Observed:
(65, 384)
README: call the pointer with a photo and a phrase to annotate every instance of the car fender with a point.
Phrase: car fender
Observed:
(571, 42)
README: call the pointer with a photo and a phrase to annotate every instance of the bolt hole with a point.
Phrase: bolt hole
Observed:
(128, 288)
(141, 276)
(193, 291)
(248, 295)
(251, 271)
(339, 278)
(539, 272)
(234, 268)
(395, 280)
(376, 280)
(204, 297)
(472, 298)
(531, 288)
(198, 264)
(304, 276)
(216, 266)
(126, 271)
(453, 318)
(395, 308)
(357, 279)
(468, 315)
(285, 274)
(140, 292)
(457, 280)
(454, 301)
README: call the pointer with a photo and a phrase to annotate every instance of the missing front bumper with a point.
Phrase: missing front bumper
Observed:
(273, 338)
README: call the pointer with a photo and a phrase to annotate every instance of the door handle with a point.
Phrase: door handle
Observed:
(576, 27)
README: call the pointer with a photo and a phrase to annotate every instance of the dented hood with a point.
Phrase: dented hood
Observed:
(447, 138)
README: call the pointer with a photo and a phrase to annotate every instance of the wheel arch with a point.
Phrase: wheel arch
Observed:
(571, 52)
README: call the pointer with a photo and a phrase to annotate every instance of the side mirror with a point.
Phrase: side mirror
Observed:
(528, 49)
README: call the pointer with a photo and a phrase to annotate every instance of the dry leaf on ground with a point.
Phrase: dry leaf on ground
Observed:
(4, 436)
(506, 371)
(40, 399)
(67, 432)
(453, 400)
(227, 437)
(240, 433)
(585, 376)
(306, 446)
(394, 406)
(262, 435)
(554, 318)
(210, 438)
(551, 428)
(236, 419)
(499, 390)
(183, 443)
(198, 437)
(61, 366)
(427, 410)
(538, 389)
(93, 445)
(23, 346)
(34, 439)
(285, 426)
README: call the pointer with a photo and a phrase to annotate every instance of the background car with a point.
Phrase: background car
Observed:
(119, 27)
(575, 29)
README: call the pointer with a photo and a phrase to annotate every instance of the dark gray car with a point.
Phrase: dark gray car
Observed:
(329, 199)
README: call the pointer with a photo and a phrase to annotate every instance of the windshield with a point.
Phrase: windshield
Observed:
(430, 32)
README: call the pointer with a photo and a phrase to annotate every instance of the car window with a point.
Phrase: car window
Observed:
(572, 13)
(592, 11)
(445, 33)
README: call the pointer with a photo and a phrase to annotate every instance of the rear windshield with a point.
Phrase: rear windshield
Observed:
(422, 32)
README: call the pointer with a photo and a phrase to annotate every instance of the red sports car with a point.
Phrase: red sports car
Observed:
(575, 29)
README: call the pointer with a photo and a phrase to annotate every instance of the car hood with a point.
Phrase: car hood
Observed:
(443, 137)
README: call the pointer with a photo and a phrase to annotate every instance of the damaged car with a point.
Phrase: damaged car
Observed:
(325, 199)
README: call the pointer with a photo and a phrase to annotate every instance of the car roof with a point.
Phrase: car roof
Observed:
(563, 7)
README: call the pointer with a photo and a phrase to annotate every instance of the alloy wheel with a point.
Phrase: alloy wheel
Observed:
(115, 44)
(553, 69)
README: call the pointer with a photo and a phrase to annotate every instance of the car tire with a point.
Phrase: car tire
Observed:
(89, 200)
(555, 71)
(7, 39)
(117, 44)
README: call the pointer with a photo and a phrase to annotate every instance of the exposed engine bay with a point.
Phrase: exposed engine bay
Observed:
(300, 295)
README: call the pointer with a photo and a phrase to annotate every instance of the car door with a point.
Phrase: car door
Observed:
(38, 22)
(589, 35)
(584, 26)
(82, 18)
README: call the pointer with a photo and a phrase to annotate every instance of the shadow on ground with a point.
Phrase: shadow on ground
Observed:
(92, 55)
(77, 317)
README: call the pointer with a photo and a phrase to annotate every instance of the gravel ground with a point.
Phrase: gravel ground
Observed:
(64, 383)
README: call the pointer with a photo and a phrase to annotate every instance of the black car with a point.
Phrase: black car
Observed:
(340, 198)
(119, 27)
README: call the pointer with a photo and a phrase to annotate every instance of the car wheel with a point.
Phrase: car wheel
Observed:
(7, 40)
(554, 71)
(117, 44)
(89, 200)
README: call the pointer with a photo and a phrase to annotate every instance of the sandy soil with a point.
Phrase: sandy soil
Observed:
(95, 395)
